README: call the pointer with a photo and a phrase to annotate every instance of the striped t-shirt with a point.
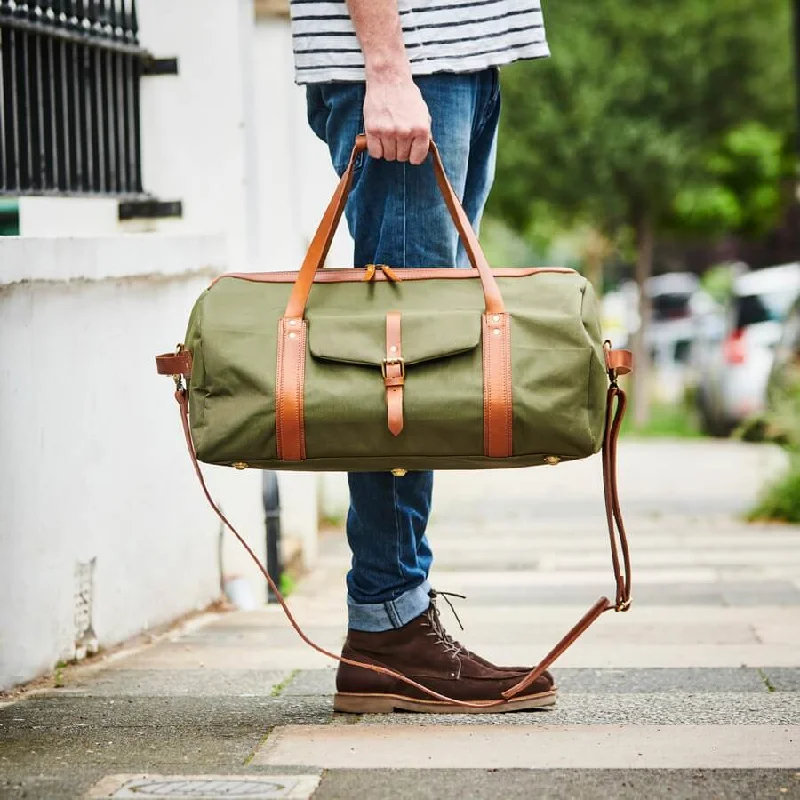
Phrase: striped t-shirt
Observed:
(439, 35)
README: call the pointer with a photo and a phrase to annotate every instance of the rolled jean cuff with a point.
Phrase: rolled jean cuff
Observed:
(376, 617)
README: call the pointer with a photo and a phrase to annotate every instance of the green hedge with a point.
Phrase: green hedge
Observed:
(780, 500)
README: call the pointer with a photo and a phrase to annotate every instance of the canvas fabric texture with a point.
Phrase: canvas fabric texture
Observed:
(558, 372)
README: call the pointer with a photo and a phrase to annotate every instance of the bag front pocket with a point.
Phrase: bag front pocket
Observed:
(345, 396)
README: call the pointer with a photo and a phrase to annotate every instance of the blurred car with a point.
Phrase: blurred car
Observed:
(733, 383)
(674, 299)
(785, 372)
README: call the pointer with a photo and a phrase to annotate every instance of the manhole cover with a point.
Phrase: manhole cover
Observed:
(208, 787)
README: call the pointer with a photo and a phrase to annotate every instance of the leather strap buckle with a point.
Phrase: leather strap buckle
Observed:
(387, 362)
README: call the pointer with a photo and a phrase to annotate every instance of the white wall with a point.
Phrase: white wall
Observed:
(91, 453)
(92, 460)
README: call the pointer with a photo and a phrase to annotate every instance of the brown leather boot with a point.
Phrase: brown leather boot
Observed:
(423, 652)
(434, 608)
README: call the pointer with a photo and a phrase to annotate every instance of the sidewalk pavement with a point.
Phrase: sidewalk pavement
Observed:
(694, 693)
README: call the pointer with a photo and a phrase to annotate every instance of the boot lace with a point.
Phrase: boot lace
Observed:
(437, 627)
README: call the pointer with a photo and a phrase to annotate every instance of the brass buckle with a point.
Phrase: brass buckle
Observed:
(179, 348)
(624, 605)
(387, 361)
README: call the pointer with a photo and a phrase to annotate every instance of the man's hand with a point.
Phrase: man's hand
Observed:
(396, 118)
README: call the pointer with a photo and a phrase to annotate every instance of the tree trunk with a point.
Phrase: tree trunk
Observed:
(641, 357)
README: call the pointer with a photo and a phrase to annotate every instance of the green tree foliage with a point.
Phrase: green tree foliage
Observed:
(640, 103)
(648, 115)
(742, 191)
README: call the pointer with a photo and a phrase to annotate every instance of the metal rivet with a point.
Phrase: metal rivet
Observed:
(393, 349)
(552, 460)
(292, 335)
(293, 322)
(240, 465)
(496, 331)
(496, 318)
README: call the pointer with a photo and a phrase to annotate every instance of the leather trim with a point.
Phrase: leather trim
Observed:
(616, 525)
(320, 244)
(289, 389)
(179, 363)
(613, 424)
(594, 613)
(497, 387)
(620, 362)
(348, 275)
(394, 373)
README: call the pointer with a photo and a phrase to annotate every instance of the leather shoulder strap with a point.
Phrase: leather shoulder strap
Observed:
(614, 415)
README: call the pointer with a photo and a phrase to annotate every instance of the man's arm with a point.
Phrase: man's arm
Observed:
(396, 118)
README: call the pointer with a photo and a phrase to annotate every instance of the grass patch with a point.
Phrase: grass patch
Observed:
(677, 421)
(767, 682)
(260, 744)
(780, 501)
(287, 584)
(329, 520)
(278, 688)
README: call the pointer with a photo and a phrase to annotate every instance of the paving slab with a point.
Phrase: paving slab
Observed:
(619, 628)
(549, 746)
(627, 655)
(186, 682)
(782, 679)
(572, 784)
(721, 593)
(70, 712)
(176, 655)
(608, 681)
(638, 708)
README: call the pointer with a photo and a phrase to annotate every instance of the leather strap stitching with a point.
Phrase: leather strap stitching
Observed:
(498, 398)
(289, 390)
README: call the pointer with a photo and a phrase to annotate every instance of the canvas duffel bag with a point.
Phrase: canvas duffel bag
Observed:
(403, 369)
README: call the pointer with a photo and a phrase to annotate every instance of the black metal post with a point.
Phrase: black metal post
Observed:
(272, 514)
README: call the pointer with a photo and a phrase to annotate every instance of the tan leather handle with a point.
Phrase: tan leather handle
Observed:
(321, 243)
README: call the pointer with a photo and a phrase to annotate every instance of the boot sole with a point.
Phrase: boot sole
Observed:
(352, 703)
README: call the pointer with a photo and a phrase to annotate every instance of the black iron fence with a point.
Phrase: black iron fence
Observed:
(69, 97)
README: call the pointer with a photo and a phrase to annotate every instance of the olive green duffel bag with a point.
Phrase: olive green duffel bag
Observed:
(402, 369)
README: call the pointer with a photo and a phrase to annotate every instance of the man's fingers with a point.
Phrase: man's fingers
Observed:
(419, 148)
(389, 142)
(404, 141)
(374, 145)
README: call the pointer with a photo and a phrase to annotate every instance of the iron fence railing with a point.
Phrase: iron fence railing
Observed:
(69, 97)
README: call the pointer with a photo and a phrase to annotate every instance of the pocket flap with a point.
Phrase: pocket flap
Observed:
(361, 338)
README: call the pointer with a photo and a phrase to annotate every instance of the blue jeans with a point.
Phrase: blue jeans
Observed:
(397, 216)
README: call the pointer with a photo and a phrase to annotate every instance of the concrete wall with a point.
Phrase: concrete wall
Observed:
(92, 461)
(90, 453)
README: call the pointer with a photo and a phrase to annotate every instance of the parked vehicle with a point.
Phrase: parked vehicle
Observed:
(733, 382)
(675, 301)
(785, 373)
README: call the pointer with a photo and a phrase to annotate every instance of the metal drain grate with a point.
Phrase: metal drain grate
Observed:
(208, 787)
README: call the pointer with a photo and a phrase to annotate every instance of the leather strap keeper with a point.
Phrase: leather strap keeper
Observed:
(619, 362)
(179, 363)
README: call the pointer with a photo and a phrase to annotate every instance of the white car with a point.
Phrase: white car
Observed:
(733, 385)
